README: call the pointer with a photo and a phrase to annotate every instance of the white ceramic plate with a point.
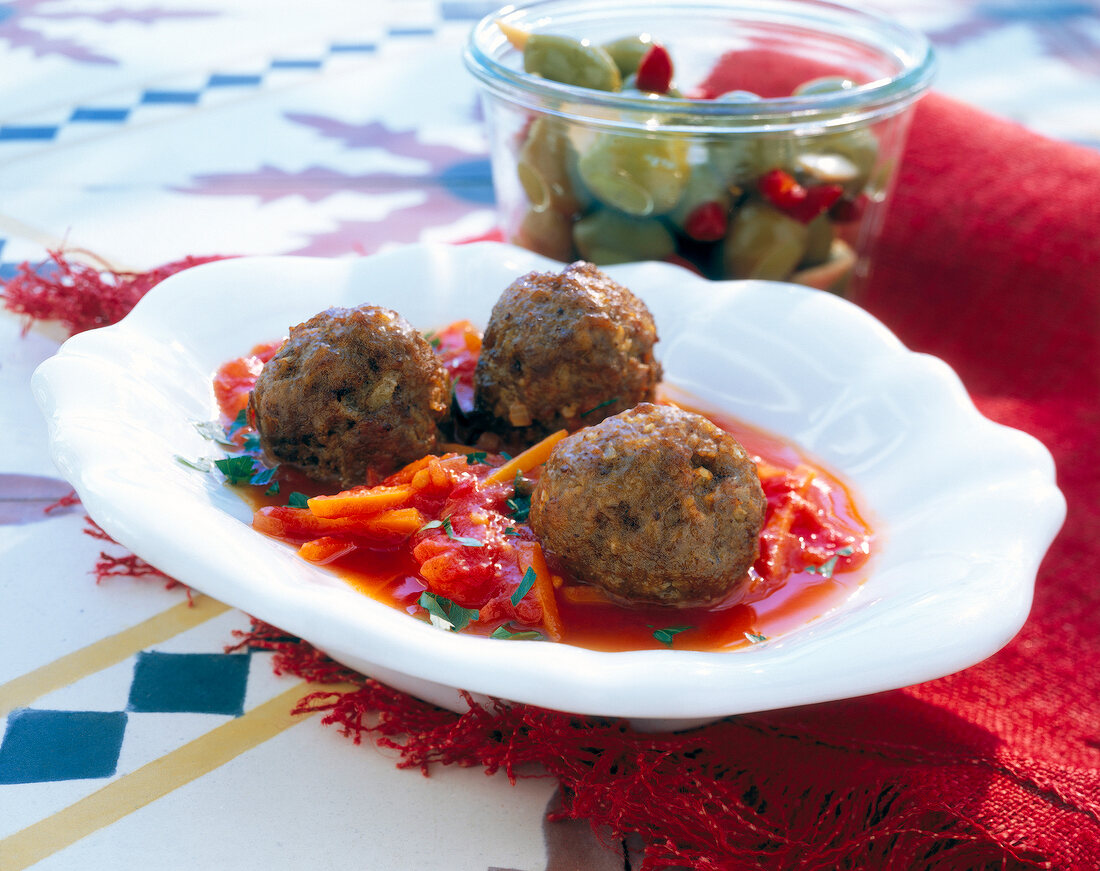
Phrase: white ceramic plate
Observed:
(963, 508)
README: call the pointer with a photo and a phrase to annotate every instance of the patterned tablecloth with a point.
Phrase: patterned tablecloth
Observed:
(144, 132)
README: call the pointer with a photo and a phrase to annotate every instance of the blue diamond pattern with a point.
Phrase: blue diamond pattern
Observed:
(199, 683)
(42, 746)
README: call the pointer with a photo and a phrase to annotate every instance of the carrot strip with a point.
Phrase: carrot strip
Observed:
(531, 556)
(534, 456)
(357, 502)
(402, 520)
(325, 549)
(406, 474)
(585, 596)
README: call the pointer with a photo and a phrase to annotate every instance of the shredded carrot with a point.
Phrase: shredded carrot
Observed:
(325, 549)
(585, 596)
(402, 520)
(534, 456)
(360, 501)
(406, 474)
(439, 475)
(531, 556)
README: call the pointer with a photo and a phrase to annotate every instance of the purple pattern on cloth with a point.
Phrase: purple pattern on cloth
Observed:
(17, 28)
(439, 207)
(1064, 29)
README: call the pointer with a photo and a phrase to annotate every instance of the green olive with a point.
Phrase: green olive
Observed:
(571, 62)
(605, 237)
(545, 166)
(628, 52)
(705, 185)
(640, 176)
(859, 146)
(741, 159)
(548, 233)
(819, 241)
(764, 243)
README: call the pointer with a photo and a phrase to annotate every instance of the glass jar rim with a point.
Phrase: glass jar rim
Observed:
(856, 105)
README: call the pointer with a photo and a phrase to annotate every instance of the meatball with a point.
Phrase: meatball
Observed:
(352, 392)
(655, 506)
(562, 351)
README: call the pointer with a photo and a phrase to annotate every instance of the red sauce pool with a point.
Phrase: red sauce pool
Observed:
(779, 598)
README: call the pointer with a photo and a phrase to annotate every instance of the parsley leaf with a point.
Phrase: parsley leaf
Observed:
(525, 585)
(461, 539)
(516, 635)
(298, 500)
(476, 457)
(273, 490)
(447, 528)
(213, 431)
(510, 530)
(668, 634)
(519, 504)
(825, 569)
(237, 470)
(263, 476)
(445, 614)
(755, 638)
(251, 443)
(203, 464)
(239, 423)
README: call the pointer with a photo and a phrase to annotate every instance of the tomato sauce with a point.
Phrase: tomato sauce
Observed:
(468, 545)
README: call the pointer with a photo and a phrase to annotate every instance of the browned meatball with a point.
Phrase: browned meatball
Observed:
(562, 351)
(655, 506)
(352, 392)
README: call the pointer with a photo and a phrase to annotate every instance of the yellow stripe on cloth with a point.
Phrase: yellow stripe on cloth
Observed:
(160, 777)
(109, 651)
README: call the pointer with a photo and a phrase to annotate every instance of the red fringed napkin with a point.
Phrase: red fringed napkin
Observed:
(990, 259)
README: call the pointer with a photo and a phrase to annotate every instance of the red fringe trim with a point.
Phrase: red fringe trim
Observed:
(700, 800)
(80, 296)
(128, 565)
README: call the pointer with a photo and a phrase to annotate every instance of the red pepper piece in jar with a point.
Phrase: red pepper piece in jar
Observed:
(707, 222)
(655, 70)
(801, 202)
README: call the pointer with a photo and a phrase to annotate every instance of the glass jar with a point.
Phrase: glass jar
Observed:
(771, 154)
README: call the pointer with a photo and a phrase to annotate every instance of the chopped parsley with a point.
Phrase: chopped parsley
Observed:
(755, 638)
(264, 476)
(465, 540)
(669, 633)
(445, 614)
(251, 443)
(519, 505)
(603, 404)
(510, 530)
(237, 470)
(516, 635)
(297, 500)
(213, 431)
(476, 457)
(433, 340)
(203, 464)
(525, 585)
(239, 423)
